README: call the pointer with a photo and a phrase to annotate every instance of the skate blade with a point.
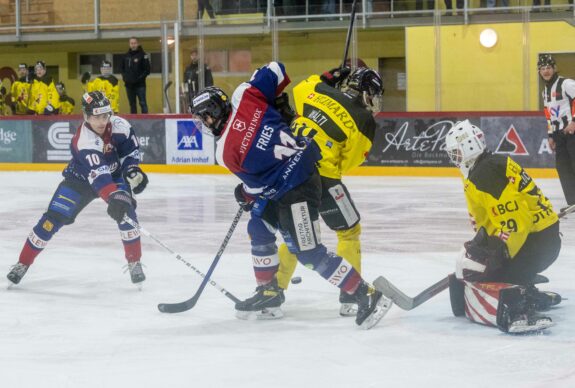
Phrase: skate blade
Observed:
(383, 306)
(348, 310)
(523, 327)
(265, 314)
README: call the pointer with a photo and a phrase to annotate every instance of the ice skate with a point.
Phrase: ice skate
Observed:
(136, 273)
(521, 319)
(16, 273)
(348, 307)
(542, 300)
(372, 306)
(265, 304)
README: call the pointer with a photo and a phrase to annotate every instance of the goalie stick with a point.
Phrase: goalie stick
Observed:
(407, 303)
(190, 303)
(130, 221)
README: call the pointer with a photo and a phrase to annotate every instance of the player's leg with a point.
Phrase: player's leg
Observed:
(299, 217)
(68, 200)
(266, 302)
(287, 265)
(131, 240)
(340, 214)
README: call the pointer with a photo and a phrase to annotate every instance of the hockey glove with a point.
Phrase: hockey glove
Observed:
(286, 111)
(483, 256)
(335, 77)
(303, 134)
(137, 179)
(119, 203)
(245, 200)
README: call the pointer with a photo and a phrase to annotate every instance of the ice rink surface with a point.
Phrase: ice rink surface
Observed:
(77, 321)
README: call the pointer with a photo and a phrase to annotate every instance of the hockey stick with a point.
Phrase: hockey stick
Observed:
(407, 303)
(190, 303)
(349, 31)
(168, 84)
(130, 221)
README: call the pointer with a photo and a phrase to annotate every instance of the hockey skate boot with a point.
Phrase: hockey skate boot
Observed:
(371, 306)
(17, 272)
(542, 300)
(516, 315)
(136, 272)
(265, 304)
(348, 307)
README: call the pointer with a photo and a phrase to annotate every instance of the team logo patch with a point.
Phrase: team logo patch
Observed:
(239, 125)
(47, 226)
(511, 144)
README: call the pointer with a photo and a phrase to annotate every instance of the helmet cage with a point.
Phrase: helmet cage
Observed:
(212, 107)
(369, 84)
(464, 143)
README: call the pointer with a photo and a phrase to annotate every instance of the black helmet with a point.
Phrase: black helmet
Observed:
(545, 60)
(367, 82)
(212, 102)
(95, 103)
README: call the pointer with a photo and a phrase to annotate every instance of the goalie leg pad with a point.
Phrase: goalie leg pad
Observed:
(482, 301)
(456, 296)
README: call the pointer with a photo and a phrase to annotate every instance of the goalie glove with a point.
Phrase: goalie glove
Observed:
(137, 179)
(119, 203)
(481, 257)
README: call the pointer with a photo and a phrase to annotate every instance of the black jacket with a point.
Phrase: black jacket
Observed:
(191, 77)
(135, 67)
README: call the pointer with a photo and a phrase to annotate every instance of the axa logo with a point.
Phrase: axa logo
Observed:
(511, 143)
(189, 136)
(239, 125)
(59, 137)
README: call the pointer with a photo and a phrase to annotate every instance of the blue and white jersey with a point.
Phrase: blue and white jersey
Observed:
(98, 160)
(257, 145)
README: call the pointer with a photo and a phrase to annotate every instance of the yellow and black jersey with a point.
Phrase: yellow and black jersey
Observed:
(67, 105)
(43, 94)
(345, 129)
(20, 92)
(504, 199)
(108, 85)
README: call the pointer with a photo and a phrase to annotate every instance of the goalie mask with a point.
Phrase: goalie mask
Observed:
(368, 83)
(213, 107)
(464, 143)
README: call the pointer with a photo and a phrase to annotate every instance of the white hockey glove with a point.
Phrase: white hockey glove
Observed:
(137, 179)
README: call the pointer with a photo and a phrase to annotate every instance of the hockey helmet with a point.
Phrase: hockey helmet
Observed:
(94, 104)
(545, 60)
(464, 143)
(368, 83)
(213, 107)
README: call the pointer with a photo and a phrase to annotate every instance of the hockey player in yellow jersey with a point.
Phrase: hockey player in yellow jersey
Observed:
(20, 91)
(517, 237)
(44, 98)
(338, 107)
(108, 84)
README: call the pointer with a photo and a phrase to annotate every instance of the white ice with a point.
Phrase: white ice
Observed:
(77, 321)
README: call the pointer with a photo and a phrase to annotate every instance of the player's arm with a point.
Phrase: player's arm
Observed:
(357, 145)
(129, 153)
(270, 80)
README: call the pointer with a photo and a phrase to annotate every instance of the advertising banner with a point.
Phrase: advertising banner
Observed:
(419, 141)
(15, 141)
(186, 144)
(52, 139)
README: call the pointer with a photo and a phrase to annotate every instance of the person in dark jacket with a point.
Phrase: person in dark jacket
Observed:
(135, 69)
(192, 76)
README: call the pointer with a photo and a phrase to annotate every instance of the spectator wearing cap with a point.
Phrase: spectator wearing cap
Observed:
(135, 69)
(20, 91)
(108, 84)
(67, 103)
(44, 98)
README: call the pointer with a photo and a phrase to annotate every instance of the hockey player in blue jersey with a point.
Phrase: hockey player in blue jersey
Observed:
(105, 163)
(281, 185)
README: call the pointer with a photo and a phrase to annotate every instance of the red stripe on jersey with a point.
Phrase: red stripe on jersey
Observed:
(282, 85)
(244, 128)
(107, 190)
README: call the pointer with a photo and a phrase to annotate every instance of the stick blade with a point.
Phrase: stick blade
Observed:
(384, 286)
(172, 308)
